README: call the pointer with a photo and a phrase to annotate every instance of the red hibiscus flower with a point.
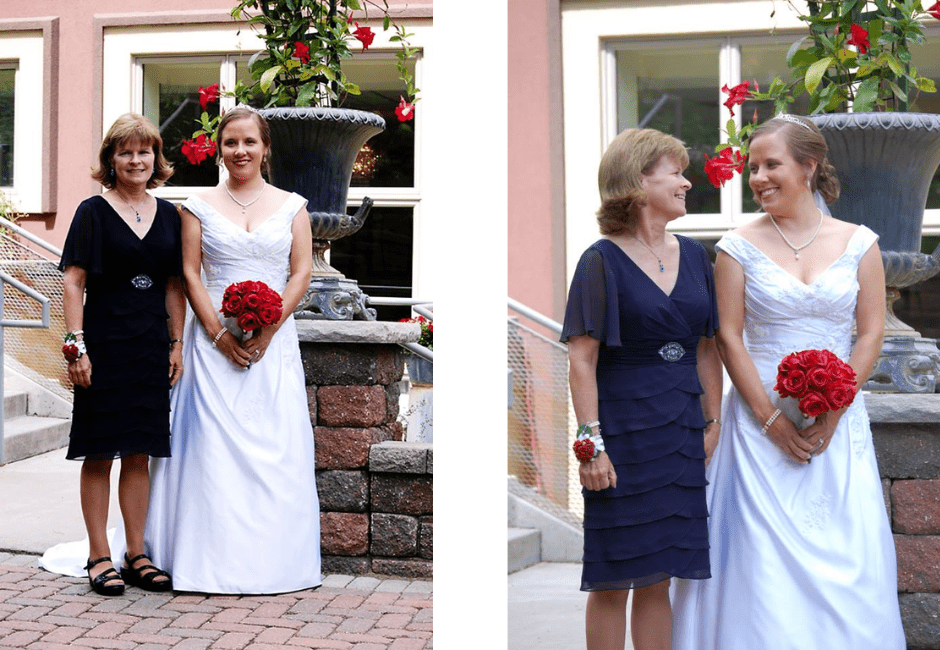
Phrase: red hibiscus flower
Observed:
(405, 111)
(736, 95)
(302, 52)
(199, 149)
(721, 168)
(207, 95)
(859, 38)
(935, 10)
(365, 36)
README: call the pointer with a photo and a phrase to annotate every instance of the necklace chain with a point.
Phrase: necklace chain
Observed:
(797, 249)
(659, 257)
(128, 204)
(251, 202)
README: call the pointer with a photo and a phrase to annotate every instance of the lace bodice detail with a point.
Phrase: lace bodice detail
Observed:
(784, 315)
(231, 254)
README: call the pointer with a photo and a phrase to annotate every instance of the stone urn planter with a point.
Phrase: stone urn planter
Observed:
(420, 370)
(312, 153)
(885, 163)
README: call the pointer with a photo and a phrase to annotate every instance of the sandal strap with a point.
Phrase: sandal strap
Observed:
(130, 561)
(92, 563)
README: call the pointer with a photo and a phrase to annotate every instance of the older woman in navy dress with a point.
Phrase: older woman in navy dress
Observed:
(645, 381)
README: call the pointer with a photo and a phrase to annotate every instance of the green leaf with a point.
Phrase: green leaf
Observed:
(926, 85)
(352, 89)
(847, 7)
(290, 64)
(893, 63)
(815, 74)
(846, 57)
(268, 77)
(866, 96)
(307, 94)
(731, 128)
(797, 44)
(896, 89)
(386, 23)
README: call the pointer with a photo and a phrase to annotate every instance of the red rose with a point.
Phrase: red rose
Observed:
(736, 95)
(365, 36)
(252, 301)
(791, 384)
(815, 358)
(817, 378)
(813, 404)
(859, 38)
(70, 352)
(839, 394)
(721, 168)
(584, 450)
(302, 52)
(207, 95)
(231, 305)
(248, 321)
(838, 369)
(405, 111)
(268, 315)
(935, 10)
(199, 149)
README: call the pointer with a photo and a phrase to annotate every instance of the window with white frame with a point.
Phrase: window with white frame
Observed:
(7, 117)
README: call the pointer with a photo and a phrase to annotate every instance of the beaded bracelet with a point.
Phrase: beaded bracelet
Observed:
(218, 336)
(770, 421)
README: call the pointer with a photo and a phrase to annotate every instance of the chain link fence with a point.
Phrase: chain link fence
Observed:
(36, 353)
(541, 418)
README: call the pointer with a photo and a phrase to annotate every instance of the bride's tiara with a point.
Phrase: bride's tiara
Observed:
(786, 117)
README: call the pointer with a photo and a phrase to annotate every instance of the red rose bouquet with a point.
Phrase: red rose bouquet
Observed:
(584, 450)
(252, 304)
(820, 380)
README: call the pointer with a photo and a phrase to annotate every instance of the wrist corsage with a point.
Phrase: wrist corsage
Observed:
(74, 347)
(588, 445)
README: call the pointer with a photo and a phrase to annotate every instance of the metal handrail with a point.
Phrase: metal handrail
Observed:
(535, 316)
(423, 307)
(6, 279)
(22, 232)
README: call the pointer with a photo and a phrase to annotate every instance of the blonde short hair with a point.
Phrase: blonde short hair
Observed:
(127, 128)
(631, 155)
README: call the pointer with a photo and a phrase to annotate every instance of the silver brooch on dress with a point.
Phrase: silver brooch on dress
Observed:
(672, 351)
(142, 281)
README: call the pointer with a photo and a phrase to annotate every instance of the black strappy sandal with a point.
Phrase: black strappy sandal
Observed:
(135, 575)
(100, 582)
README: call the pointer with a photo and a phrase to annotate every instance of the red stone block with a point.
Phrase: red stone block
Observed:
(345, 448)
(344, 533)
(916, 506)
(351, 406)
(918, 563)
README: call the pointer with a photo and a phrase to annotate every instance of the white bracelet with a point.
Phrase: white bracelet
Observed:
(770, 421)
(218, 336)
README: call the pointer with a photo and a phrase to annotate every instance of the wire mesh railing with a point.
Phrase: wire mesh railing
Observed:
(34, 353)
(541, 418)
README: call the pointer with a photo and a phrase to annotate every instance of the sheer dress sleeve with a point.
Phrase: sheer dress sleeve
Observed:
(83, 243)
(593, 307)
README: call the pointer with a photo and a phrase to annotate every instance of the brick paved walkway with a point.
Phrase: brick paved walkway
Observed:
(45, 611)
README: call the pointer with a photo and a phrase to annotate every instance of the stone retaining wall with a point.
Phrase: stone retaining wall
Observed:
(375, 491)
(906, 432)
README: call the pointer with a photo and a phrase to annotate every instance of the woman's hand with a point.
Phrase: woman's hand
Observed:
(784, 434)
(258, 344)
(819, 433)
(80, 371)
(230, 347)
(712, 432)
(176, 363)
(598, 474)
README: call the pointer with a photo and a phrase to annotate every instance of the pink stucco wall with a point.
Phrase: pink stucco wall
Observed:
(77, 96)
(536, 184)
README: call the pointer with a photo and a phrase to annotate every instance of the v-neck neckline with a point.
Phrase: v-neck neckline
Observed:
(675, 284)
(825, 271)
(139, 238)
(234, 225)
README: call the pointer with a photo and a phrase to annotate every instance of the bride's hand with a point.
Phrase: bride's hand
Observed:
(598, 474)
(819, 433)
(232, 348)
(783, 434)
(258, 344)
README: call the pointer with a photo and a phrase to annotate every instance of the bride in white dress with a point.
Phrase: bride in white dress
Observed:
(235, 510)
(801, 548)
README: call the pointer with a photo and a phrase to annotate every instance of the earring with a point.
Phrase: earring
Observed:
(111, 173)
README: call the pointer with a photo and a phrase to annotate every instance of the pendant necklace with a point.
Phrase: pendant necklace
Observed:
(127, 203)
(244, 205)
(797, 249)
(662, 267)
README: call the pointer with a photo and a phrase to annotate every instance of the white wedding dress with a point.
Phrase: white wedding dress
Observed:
(235, 509)
(802, 556)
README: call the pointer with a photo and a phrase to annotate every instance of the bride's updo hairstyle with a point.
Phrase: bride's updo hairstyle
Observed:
(632, 154)
(805, 142)
(240, 113)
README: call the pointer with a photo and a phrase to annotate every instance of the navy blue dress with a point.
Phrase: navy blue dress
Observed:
(126, 409)
(654, 524)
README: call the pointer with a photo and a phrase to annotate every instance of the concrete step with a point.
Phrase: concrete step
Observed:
(29, 435)
(525, 548)
(14, 403)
